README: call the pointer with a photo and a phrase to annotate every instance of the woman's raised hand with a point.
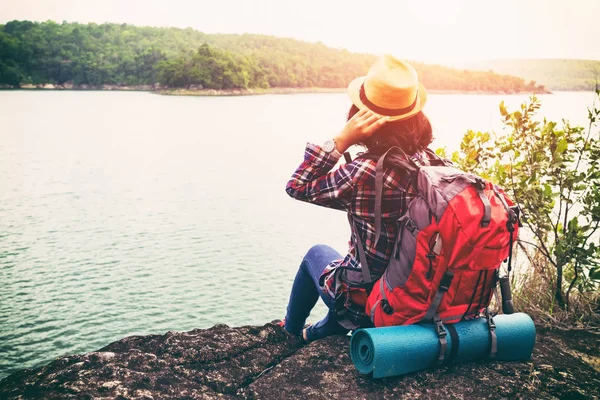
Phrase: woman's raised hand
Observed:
(358, 128)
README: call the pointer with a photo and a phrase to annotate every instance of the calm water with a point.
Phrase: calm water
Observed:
(132, 214)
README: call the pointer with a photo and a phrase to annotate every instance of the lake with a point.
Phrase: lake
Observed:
(129, 213)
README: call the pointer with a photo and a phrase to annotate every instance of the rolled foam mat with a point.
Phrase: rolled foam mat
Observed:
(397, 350)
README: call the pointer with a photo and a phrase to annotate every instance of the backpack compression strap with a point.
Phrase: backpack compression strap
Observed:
(512, 219)
(360, 250)
(434, 317)
(442, 289)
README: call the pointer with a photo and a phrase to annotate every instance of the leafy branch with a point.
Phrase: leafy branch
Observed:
(551, 172)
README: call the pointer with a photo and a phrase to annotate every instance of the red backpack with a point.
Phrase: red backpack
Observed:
(451, 241)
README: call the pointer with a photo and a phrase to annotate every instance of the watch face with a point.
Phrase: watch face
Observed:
(329, 146)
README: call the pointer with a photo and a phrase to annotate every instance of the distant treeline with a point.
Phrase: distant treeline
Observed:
(113, 54)
(555, 74)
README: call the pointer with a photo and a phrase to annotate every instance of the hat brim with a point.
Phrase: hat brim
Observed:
(354, 93)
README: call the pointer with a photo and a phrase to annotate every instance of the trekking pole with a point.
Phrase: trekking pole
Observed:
(507, 303)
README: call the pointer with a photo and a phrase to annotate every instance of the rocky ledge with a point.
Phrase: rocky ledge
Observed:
(267, 363)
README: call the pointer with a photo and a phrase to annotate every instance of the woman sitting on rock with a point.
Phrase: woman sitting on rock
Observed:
(386, 112)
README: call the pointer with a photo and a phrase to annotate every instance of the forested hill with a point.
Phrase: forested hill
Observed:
(113, 54)
(555, 74)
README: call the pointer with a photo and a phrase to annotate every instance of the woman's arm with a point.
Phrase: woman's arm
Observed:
(313, 180)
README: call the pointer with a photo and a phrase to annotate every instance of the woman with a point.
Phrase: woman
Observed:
(386, 112)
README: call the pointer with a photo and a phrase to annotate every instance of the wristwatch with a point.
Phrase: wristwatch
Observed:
(329, 147)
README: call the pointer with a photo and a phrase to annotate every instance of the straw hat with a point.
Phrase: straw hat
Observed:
(390, 88)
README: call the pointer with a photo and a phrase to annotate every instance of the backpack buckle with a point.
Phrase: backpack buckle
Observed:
(439, 327)
(441, 333)
(490, 321)
(515, 216)
(493, 337)
(510, 226)
(479, 184)
(410, 225)
(446, 281)
(385, 306)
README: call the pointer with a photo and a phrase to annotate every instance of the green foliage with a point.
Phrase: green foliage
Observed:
(552, 172)
(121, 54)
(207, 67)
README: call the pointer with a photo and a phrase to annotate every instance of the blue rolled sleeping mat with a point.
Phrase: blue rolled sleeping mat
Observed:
(397, 350)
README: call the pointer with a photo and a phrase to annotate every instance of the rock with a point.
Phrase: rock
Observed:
(48, 86)
(268, 363)
(68, 85)
(28, 86)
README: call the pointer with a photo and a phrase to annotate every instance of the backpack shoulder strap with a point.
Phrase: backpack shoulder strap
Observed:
(403, 161)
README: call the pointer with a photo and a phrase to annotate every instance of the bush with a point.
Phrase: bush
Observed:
(551, 171)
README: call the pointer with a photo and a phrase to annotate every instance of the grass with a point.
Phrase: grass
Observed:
(533, 294)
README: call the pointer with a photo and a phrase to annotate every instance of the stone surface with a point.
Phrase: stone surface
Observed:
(268, 363)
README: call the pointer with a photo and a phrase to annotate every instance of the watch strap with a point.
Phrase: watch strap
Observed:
(333, 150)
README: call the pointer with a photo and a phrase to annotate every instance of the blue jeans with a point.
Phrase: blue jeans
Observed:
(306, 292)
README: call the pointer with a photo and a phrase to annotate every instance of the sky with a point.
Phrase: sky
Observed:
(444, 31)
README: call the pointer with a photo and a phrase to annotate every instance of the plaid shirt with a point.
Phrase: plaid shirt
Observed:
(351, 188)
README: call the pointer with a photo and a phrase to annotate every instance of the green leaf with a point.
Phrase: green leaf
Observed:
(441, 152)
(562, 146)
(503, 111)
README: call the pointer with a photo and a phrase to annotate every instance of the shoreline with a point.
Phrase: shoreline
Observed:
(255, 92)
(231, 92)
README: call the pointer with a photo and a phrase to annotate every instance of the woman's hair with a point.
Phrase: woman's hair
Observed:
(411, 135)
